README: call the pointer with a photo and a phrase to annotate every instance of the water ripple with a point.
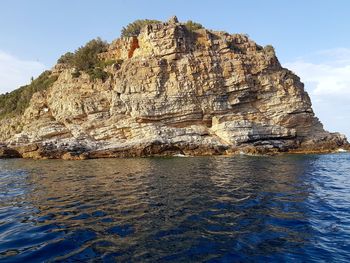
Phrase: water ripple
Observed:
(289, 208)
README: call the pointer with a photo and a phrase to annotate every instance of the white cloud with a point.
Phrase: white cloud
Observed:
(326, 75)
(15, 72)
(329, 80)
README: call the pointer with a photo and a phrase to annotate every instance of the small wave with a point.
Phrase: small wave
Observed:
(340, 150)
(180, 155)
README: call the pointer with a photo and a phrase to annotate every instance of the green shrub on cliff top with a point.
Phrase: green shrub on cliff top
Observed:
(192, 26)
(67, 58)
(269, 49)
(17, 101)
(134, 28)
(86, 59)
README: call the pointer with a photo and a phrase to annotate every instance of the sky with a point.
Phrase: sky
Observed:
(310, 37)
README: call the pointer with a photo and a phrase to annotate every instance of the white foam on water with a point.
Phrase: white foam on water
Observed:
(340, 150)
(179, 155)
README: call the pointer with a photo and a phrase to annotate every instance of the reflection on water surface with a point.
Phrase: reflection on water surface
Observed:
(219, 209)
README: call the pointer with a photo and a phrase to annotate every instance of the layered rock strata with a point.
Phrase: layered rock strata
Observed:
(176, 92)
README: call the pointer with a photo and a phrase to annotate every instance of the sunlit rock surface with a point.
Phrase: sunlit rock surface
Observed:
(176, 92)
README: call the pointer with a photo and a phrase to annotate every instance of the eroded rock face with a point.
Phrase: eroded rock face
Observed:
(176, 92)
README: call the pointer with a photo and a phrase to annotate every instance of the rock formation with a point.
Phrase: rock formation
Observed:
(177, 91)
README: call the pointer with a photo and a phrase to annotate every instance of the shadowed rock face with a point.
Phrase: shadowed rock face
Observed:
(176, 92)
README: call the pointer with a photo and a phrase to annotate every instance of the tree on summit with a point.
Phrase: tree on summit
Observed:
(134, 28)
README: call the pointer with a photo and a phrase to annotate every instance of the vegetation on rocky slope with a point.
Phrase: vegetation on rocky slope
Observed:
(134, 28)
(192, 26)
(86, 59)
(17, 101)
(185, 91)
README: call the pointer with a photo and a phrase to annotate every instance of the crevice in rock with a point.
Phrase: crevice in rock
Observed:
(133, 46)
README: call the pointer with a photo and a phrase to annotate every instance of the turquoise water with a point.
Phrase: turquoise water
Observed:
(292, 208)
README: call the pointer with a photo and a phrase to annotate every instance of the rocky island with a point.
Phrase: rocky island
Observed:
(172, 88)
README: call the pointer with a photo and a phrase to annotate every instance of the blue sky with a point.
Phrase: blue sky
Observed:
(310, 37)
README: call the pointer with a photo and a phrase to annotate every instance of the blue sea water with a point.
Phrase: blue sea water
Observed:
(289, 208)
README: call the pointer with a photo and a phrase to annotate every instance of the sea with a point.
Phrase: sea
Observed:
(286, 208)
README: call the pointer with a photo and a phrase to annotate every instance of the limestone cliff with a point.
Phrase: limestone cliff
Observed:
(176, 92)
